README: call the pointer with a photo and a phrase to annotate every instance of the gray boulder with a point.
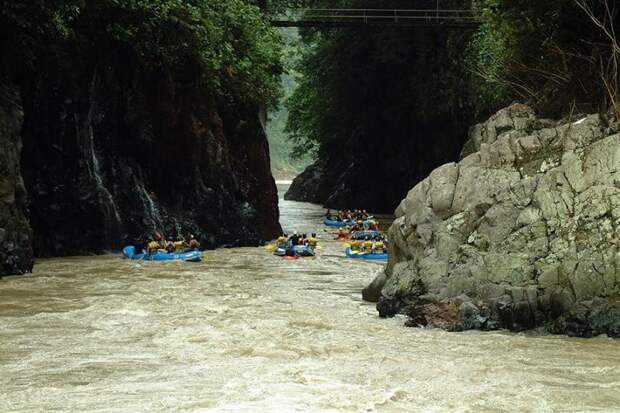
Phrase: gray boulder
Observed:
(527, 225)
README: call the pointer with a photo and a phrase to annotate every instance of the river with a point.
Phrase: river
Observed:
(246, 331)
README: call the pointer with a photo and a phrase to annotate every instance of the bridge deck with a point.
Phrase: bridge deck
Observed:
(378, 17)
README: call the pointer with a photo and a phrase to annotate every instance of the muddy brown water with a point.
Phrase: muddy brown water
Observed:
(249, 332)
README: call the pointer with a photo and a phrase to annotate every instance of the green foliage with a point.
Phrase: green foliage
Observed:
(487, 55)
(227, 44)
(281, 147)
(541, 52)
(544, 53)
(361, 86)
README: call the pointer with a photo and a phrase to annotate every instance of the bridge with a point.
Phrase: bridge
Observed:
(378, 17)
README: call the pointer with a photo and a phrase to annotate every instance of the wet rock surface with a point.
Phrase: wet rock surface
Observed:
(16, 256)
(110, 161)
(523, 232)
(310, 185)
(114, 153)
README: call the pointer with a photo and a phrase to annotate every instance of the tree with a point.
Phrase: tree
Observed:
(225, 44)
(605, 19)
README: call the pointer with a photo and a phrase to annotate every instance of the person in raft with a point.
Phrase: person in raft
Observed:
(180, 245)
(367, 246)
(378, 246)
(282, 241)
(193, 243)
(169, 247)
(342, 233)
(312, 242)
(294, 239)
(156, 244)
(373, 226)
(358, 226)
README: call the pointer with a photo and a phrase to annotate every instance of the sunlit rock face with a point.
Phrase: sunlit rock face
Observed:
(523, 232)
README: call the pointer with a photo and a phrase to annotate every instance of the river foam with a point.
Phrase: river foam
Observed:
(247, 331)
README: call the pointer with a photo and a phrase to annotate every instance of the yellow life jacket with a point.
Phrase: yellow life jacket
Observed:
(180, 245)
(355, 245)
(312, 242)
(153, 247)
(368, 244)
(379, 246)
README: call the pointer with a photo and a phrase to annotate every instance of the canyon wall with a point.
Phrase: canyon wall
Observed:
(112, 154)
(16, 255)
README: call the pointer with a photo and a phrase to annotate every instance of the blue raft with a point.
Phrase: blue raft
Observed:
(335, 223)
(189, 256)
(301, 250)
(365, 235)
(366, 255)
(340, 224)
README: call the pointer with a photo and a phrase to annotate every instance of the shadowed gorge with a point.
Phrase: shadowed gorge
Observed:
(389, 120)
(382, 126)
(126, 132)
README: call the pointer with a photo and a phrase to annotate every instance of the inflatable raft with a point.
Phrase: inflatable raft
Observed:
(366, 255)
(190, 256)
(340, 224)
(335, 223)
(301, 250)
(365, 235)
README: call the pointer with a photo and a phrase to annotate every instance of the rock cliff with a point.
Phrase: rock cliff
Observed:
(352, 176)
(523, 232)
(16, 256)
(112, 153)
(310, 185)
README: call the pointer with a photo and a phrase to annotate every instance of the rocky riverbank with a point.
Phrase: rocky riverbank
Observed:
(522, 233)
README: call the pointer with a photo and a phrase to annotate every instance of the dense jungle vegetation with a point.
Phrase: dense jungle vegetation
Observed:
(226, 46)
(283, 164)
(356, 86)
(549, 54)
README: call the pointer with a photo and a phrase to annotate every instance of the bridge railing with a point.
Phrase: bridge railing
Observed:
(382, 16)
